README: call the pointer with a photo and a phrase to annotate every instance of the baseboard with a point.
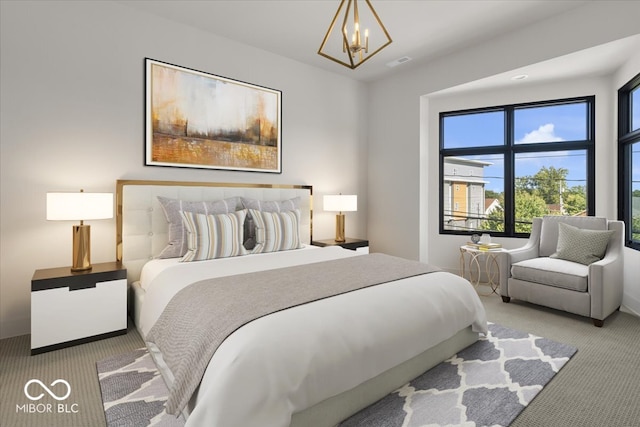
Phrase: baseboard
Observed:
(631, 305)
(79, 341)
(15, 327)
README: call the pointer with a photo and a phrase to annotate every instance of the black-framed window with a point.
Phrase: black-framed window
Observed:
(629, 160)
(502, 166)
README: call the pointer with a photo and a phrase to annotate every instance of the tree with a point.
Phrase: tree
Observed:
(635, 228)
(526, 183)
(550, 182)
(490, 194)
(533, 195)
(494, 221)
(575, 200)
(635, 220)
(528, 206)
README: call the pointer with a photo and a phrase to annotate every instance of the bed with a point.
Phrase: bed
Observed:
(313, 364)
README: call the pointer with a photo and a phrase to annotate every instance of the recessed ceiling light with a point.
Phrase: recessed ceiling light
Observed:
(520, 77)
(398, 61)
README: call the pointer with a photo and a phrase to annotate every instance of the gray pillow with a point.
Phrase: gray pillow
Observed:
(580, 245)
(264, 206)
(177, 245)
(271, 205)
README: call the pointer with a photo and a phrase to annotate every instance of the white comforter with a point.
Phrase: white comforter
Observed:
(163, 278)
(291, 360)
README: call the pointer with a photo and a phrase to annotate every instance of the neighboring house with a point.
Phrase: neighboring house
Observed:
(464, 201)
(555, 209)
(490, 205)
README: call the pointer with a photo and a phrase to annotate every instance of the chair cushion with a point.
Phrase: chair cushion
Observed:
(583, 246)
(552, 272)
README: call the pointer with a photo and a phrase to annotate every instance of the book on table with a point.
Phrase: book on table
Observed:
(485, 246)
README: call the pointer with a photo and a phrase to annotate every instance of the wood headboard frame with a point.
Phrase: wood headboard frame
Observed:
(141, 226)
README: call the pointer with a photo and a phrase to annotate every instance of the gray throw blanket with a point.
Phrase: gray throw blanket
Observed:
(202, 315)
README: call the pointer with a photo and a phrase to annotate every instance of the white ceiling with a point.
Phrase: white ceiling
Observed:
(420, 29)
(596, 61)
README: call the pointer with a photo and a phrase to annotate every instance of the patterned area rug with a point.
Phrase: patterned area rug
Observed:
(133, 392)
(488, 383)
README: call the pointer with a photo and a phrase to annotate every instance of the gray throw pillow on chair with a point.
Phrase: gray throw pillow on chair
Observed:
(580, 245)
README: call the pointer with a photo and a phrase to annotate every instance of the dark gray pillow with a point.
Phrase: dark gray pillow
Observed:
(177, 245)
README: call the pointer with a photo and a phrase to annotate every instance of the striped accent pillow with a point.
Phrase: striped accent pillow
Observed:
(213, 236)
(265, 206)
(276, 231)
(173, 208)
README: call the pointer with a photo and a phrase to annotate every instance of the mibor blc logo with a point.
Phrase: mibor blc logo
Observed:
(47, 389)
(56, 391)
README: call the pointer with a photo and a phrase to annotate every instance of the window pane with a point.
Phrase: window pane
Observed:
(474, 130)
(635, 109)
(554, 123)
(473, 193)
(549, 183)
(635, 192)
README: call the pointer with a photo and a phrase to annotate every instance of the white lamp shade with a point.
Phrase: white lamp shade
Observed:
(79, 206)
(340, 203)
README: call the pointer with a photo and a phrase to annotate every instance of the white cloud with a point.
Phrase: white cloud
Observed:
(544, 133)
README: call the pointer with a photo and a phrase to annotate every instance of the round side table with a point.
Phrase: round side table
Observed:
(472, 263)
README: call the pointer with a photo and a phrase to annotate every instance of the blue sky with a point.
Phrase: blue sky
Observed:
(541, 124)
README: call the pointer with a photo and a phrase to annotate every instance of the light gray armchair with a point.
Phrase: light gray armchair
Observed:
(594, 290)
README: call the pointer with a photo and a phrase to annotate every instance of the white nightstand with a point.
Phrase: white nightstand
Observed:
(70, 308)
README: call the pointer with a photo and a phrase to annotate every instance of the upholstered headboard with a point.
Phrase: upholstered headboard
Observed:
(141, 225)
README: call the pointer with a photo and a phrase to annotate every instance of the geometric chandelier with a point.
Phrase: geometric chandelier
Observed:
(354, 43)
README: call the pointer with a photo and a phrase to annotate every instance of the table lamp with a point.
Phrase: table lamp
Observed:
(80, 207)
(340, 203)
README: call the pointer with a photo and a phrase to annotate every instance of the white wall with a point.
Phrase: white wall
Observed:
(403, 154)
(631, 298)
(72, 105)
(397, 191)
(519, 92)
(72, 116)
(605, 90)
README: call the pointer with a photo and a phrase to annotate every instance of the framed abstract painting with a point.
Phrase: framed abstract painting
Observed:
(200, 120)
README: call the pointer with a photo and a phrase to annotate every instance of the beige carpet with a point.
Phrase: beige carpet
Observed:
(76, 365)
(600, 387)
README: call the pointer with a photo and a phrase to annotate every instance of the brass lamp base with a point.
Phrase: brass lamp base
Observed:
(340, 228)
(81, 248)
